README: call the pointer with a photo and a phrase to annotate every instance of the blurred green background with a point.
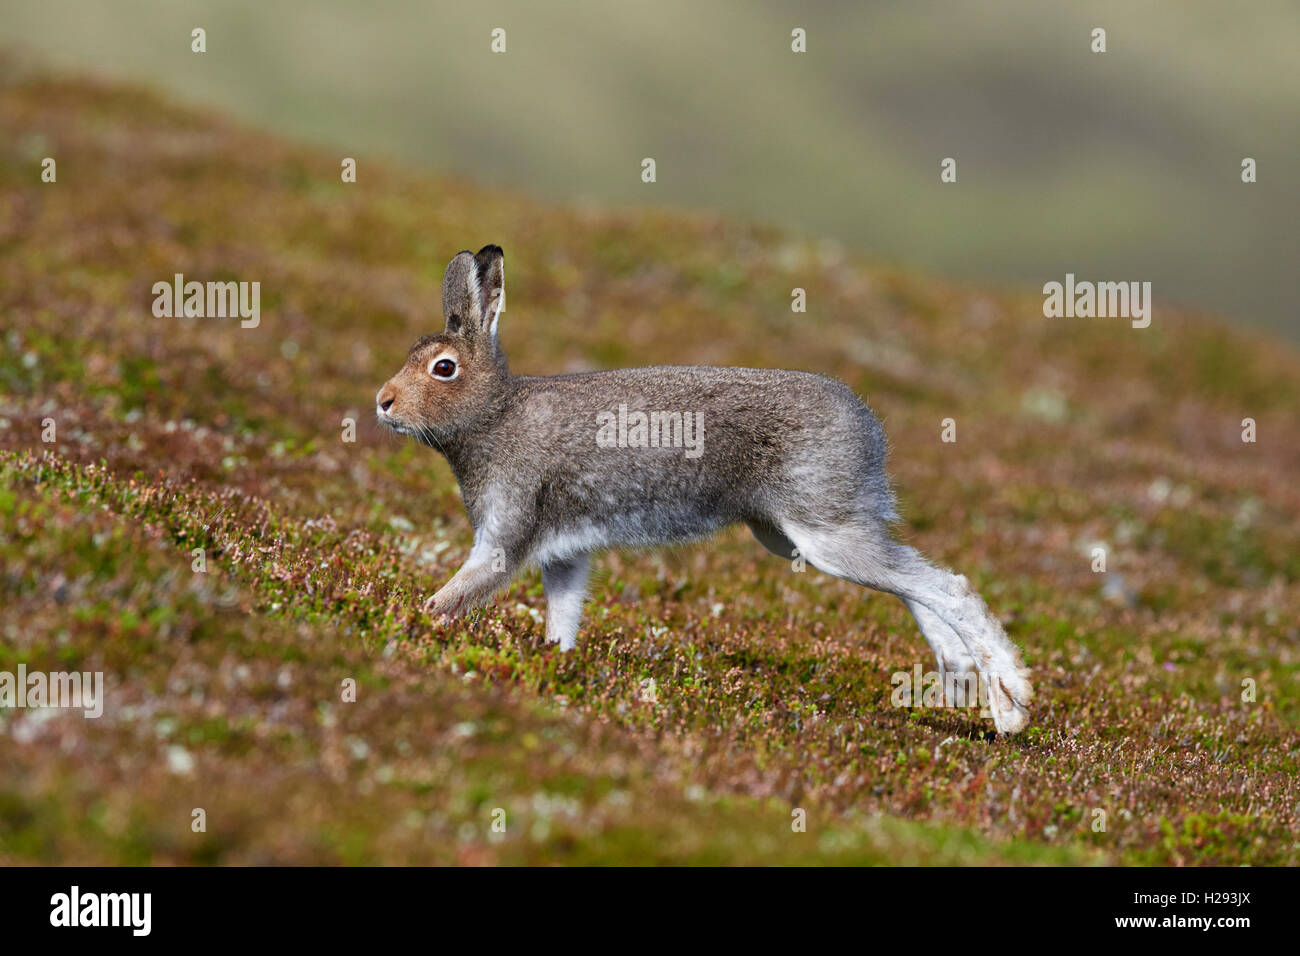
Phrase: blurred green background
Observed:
(1117, 166)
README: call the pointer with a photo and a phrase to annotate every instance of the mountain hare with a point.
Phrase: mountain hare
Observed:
(556, 467)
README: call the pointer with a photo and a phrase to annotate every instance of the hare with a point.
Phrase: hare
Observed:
(554, 468)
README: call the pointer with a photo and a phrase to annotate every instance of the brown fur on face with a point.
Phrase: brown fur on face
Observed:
(425, 406)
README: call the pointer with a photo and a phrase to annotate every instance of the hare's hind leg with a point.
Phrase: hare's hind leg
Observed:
(565, 582)
(956, 666)
(949, 651)
(948, 607)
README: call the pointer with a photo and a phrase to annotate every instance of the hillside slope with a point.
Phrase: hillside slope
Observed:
(771, 689)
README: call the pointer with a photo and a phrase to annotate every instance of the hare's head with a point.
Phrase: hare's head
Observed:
(452, 379)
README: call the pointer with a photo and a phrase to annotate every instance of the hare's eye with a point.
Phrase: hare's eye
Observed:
(443, 368)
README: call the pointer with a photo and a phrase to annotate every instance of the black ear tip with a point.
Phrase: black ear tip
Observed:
(491, 251)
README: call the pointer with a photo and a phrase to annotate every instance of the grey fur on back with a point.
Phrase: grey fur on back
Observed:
(773, 443)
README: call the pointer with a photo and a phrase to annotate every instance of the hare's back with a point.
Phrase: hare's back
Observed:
(738, 417)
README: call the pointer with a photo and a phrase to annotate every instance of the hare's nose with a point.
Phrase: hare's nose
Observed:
(386, 405)
(384, 400)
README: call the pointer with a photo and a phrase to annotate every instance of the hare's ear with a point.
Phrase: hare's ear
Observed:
(491, 264)
(462, 300)
(473, 292)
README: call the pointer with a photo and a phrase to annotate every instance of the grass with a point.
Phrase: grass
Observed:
(771, 688)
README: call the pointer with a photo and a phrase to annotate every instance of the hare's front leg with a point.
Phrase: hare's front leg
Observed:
(488, 570)
(565, 583)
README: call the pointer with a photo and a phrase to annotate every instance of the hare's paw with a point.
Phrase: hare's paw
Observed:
(1009, 695)
(441, 608)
